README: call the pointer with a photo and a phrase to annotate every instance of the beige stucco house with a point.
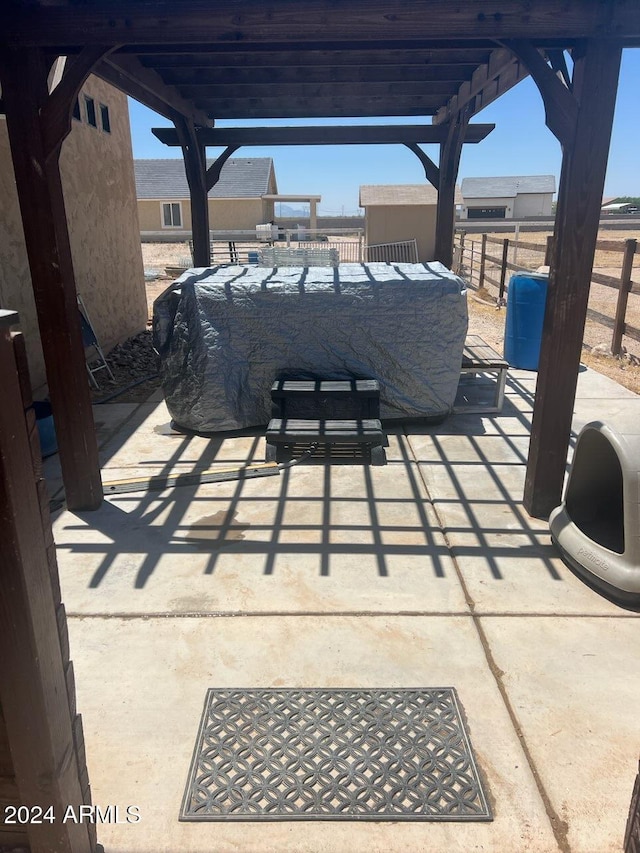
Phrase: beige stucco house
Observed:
(516, 197)
(96, 164)
(238, 202)
(399, 212)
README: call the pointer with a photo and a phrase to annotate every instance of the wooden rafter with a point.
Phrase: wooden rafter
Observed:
(488, 82)
(435, 75)
(145, 85)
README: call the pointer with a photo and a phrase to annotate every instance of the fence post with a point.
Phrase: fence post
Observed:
(503, 270)
(623, 295)
(482, 261)
(471, 260)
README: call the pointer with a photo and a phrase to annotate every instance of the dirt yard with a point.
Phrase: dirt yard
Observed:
(484, 318)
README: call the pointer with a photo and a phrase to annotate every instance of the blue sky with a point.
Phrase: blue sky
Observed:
(521, 144)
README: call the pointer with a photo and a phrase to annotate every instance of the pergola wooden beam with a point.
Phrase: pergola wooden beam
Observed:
(343, 106)
(165, 21)
(439, 77)
(349, 135)
(195, 167)
(279, 54)
(145, 85)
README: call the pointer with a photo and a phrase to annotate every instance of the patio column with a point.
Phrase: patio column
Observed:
(195, 167)
(35, 149)
(450, 152)
(581, 118)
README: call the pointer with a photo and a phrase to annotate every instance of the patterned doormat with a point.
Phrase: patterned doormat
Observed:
(318, 754)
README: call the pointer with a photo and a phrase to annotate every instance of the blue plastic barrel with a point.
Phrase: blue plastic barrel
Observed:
(46, 429)
(253, 257)
(526, 300)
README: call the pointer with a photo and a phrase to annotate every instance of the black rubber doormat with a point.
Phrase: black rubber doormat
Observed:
(320, 754)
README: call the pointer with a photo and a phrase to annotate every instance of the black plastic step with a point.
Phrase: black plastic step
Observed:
(327, 399)
(325, 387)
(303, 431)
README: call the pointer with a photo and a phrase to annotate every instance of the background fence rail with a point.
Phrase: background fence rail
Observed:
(474, 265)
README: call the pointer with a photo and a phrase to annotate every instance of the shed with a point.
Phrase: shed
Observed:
(398, 212)
(237, 202)
(514, 197)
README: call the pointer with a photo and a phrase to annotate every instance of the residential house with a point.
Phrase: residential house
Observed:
(237, 202)
(516, 197)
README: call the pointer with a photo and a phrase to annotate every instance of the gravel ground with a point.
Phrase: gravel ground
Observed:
(135, 359)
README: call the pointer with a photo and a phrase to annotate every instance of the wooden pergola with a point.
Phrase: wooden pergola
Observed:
(195, 61)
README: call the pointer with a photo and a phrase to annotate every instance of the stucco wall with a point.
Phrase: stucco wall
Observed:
(391, 223)
(532, 204)
(99, 189)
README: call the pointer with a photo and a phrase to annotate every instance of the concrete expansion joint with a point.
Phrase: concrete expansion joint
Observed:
(559, 827)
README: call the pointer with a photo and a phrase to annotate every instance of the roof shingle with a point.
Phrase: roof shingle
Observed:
(507, 187)
(241, 177)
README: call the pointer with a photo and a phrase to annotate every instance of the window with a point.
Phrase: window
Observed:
(76, 110)
(104, 117)
(171, 214)
(90, 106)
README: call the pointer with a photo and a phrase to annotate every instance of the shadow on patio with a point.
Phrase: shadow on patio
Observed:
(427, 571)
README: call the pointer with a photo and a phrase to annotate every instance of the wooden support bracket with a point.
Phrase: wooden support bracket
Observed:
(561, 108)
(56, 113)
(432, 172)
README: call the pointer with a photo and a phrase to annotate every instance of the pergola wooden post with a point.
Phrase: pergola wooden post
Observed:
(581, 118)
(450, 152)
(37, 123)
(195, 167)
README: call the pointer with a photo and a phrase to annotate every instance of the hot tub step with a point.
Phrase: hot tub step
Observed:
(287, 432)
(332, 399)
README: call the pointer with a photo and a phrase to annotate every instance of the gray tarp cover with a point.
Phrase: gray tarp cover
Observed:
(225, 334)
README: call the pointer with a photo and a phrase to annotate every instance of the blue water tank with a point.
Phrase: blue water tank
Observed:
(46, 429)
(526, 300)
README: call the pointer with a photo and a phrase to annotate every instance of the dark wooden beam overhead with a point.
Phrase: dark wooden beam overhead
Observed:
(352, 135)
(301, 89)
(165, 21)
(434, 75)
(303, 107)
(145, 85)
(278, 53)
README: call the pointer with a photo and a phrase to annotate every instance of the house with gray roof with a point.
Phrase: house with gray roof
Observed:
(242, 198)
(515, 197)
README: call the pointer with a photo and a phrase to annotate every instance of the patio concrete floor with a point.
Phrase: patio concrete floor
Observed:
(426, 572)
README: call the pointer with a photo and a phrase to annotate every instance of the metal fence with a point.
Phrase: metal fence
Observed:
(243, 247)
(403, 252)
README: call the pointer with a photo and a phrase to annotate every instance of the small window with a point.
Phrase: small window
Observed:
(90, 106)
(76, 110)
(104, 117)
(171, 215)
